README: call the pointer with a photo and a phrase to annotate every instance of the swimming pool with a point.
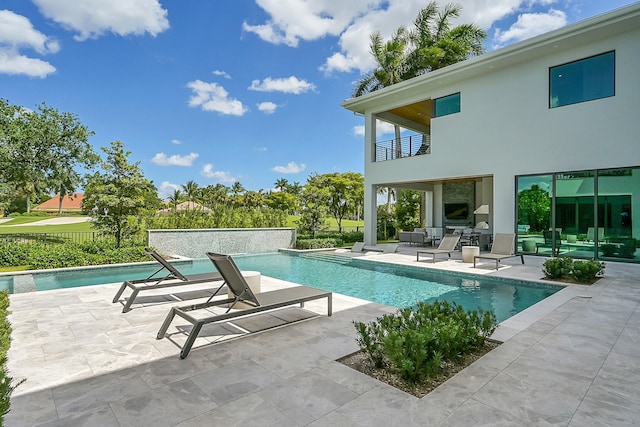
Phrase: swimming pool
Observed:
(393, 285)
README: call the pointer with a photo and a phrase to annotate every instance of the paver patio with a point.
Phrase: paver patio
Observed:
(569, 360)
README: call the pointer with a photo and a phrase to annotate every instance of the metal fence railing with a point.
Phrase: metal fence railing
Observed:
(52, 238)
(407, 146)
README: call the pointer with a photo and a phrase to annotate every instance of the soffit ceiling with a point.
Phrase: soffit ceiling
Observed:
(419, 112)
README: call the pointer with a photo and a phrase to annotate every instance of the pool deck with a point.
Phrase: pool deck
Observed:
(569, 360)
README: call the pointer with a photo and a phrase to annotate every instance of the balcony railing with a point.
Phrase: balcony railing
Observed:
(407, 146)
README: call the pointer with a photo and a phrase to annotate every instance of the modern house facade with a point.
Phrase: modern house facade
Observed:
(544, 135)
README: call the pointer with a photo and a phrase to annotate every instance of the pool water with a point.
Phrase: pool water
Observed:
(392, 285)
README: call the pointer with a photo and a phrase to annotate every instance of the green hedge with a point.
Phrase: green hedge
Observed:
(565, 268)
(6, 382)
(318, 243)
(38, 256)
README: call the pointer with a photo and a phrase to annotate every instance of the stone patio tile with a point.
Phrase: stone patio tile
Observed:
(307, 397)
(628, 342)
(233, 381)
(173, 369)
(122, 357)
(248, 411)
(102, 416)
(474, 413)
(608, 407)
(380, 407)
(82, 396)
(50, 374)
(163, 406)
(528, 403)
(31, 409)
(290, 361)
(354, 380)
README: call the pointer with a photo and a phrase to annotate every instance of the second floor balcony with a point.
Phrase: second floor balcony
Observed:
(407, 146)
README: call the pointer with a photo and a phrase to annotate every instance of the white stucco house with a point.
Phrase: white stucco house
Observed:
(558, 114)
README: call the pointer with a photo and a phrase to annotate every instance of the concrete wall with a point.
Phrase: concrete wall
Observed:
(196, 243)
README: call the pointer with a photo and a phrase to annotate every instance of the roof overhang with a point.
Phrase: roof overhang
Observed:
(405, 100)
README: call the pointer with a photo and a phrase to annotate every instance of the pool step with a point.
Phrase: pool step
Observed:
(328, 257)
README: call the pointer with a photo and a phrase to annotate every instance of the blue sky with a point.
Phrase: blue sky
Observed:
(226, 90)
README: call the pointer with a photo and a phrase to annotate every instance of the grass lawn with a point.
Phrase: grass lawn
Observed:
(350, 225)
(9, 227)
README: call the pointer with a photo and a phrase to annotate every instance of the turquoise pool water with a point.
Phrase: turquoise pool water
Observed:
(392, 285)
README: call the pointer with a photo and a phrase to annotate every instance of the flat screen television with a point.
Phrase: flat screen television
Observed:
(456, 210)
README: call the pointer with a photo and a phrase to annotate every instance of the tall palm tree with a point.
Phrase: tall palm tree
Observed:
(436, 45)
(281, 184)
(391, 60)
(191, 190)
(174, 198)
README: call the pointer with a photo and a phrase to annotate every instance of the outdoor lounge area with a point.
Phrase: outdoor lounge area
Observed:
(569, 360)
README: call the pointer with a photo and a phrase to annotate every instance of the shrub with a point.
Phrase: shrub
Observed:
(566, 268)
(557, 268)
(587, 271)
(317, 243)
(416, 341)
(6, 382)
(608, 249)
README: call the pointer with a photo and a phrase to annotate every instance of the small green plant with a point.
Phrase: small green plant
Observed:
(608, 249)
(565, 268)
(416, 341)
(557, 268)
(587, 271)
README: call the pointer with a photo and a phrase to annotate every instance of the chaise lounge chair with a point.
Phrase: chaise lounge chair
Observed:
(502, 248)
(172, 278)
(447, 245)
(241, 292)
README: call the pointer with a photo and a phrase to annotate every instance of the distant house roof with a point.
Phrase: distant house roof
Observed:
(71, 203)
(186, 206)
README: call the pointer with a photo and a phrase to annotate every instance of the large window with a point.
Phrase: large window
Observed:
(580, 214)
(583, 80)
(446, 105)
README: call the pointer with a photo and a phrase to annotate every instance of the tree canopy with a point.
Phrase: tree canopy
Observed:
(118, 193)
(41, 149)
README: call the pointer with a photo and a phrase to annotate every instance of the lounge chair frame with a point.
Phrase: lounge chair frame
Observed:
(447, 245)
(241, 292)
(502, 248)
(172, 278)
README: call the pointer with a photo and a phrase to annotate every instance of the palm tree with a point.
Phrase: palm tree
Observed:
(174, 198)
(191, 190)
(281, 184)
(436, 45)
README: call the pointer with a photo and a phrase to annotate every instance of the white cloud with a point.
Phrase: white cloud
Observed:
(93, 18)
(290, 21)
(222, 74)
(286, 85)
(16, 34)
(267, 107)
(213, 97)
(291, 167)
(260, 149)
(167, 188)
(382, 128)
(176, 141)
(162, 159)
(294, 20)
(531, 24)
(221, 176)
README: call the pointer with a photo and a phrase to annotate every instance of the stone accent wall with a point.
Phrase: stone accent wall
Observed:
(196, 243)
(459, 192)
